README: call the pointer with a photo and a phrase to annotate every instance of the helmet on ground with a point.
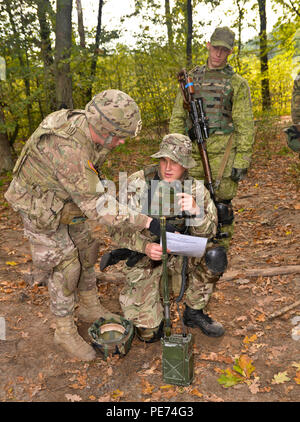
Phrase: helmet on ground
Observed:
(112, 336)
(112, 111)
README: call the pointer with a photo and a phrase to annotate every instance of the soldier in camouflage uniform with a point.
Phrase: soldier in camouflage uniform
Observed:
(56, 187)
(227, 105)
(140, 298)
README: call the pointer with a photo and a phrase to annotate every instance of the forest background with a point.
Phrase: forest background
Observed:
(53, 60)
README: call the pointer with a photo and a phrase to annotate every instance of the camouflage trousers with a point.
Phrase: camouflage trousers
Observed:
(141, 297)
(66, 258)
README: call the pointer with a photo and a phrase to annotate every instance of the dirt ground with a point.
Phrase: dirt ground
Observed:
(267, 235)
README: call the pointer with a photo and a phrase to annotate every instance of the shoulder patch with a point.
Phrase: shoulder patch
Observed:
(91, 166)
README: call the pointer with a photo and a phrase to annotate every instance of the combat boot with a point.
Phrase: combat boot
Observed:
(66, 336)
(197, 318)
(90, 308)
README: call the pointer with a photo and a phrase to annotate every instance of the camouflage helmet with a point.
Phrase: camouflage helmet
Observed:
(177, 147)
(112, 111)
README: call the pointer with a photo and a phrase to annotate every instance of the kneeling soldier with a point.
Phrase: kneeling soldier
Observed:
(140, 298)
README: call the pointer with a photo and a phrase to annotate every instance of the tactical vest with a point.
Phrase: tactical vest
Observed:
(45, 199)
(156, 200)
(214, 86)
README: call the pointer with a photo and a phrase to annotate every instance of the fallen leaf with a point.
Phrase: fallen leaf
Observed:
(229, 378)
(280, 378)
(243, 366)
(196, 392)
(297, 377)
(12, 263)
(254, 386)
(116, 394)
(147, 388)
(248, 340)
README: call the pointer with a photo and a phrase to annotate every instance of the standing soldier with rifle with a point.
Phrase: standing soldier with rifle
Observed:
(226, 101)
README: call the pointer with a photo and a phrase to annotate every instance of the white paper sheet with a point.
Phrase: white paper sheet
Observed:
(181, 244)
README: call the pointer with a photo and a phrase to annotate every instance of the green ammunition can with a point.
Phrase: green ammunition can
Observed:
(178, 359)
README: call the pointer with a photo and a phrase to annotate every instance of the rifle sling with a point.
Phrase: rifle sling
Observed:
(224, 161)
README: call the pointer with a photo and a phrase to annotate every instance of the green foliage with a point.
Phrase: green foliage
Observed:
(147, 73)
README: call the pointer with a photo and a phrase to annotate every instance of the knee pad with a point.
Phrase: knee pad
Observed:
(69, 269)
(89, 255)
(216, 260)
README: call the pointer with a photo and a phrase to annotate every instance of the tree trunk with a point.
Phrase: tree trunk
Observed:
(63, 54)
(169, 23)
(189, 14)
(263, 52)
(80, 23)
(26, 77)
(96, 49)
(43, 6)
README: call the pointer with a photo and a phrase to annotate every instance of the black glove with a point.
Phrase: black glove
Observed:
(238, 174)
(155, 227)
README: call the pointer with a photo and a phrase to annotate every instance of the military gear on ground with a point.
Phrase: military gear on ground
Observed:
(178, 148)
(197, 318)
(67, 337)
(112, 111)
(223, 37)
(293, 137)
(150, 335)
(90, 308)
(177, 356)
(216, 260)
(112, 336)
(238, 174)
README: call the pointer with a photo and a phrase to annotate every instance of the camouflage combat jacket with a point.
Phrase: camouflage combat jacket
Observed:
(56, 177)
(233, 102)
(153, 203)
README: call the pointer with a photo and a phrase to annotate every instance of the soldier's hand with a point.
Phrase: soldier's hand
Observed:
(154, 251)
(187, 203)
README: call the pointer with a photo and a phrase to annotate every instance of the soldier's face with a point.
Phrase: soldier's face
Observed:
(170, 170)
(217, 56)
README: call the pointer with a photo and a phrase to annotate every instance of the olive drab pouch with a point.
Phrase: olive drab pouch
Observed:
(178, 359)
